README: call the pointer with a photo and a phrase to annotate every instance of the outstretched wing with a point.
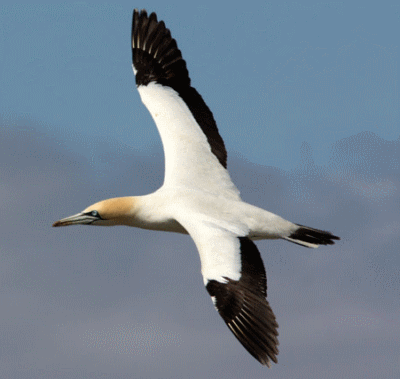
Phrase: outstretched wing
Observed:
(234, 276)
(195, 154)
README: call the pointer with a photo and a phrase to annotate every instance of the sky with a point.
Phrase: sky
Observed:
(305, 95)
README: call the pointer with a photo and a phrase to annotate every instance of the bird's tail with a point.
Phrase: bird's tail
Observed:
(311, 237)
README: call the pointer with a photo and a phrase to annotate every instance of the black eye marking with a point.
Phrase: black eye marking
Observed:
(94, 213)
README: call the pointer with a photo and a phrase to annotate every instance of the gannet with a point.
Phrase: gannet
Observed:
(198, 196)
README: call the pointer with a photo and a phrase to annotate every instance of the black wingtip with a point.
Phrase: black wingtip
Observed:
(249, 317)
(155, 54)
(244, 308)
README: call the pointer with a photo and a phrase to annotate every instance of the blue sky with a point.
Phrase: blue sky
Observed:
(305, 95)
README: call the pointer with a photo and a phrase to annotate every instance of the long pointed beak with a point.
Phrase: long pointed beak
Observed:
(78, 219)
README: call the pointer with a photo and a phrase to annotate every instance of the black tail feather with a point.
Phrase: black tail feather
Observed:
(305, 235)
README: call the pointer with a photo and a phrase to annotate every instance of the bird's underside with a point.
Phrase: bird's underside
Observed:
(198, 196)
(232, 268)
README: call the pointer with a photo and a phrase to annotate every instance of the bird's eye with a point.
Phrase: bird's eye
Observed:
(94, 213)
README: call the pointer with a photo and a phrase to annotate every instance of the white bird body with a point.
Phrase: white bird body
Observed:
(198, 196)
(162, 209)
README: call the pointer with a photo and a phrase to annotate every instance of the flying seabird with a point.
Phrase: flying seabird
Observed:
(198, 196)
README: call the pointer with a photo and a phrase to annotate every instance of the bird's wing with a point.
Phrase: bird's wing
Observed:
(234, 276)
(195, 154)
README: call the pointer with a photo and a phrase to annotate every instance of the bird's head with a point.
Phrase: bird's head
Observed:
(104, 213)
